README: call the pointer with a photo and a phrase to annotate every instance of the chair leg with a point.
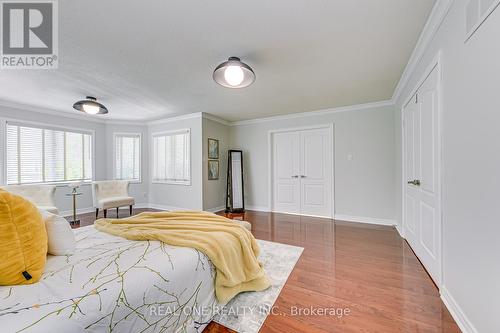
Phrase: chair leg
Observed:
(96, 212)
(105, 213)
(130, 210)
(117, 211)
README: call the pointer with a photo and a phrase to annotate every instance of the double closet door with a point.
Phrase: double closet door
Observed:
(422, 202)
(302, 172)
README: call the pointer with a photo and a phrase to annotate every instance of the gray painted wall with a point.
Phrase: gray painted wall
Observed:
(214, 190)
(181, 196)
(471, 163)
(139, 190)
(364, 186)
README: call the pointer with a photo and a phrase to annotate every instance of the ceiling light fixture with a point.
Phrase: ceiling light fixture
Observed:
(234, 74)
(90, 106)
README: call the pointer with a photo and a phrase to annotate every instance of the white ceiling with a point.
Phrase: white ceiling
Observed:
(150, 59)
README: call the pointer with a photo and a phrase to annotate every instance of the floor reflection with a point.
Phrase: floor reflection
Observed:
(368, 269)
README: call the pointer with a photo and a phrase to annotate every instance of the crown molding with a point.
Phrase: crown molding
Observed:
(322, 112)
(438, 14)
(176, 118)
(200, 115)
(137, 122)
(216, 119)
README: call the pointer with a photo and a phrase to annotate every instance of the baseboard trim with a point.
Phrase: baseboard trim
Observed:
(362, 219)
(340, 217)
(257, 208)
(140, 205)
(456, 312)
(215, 209)
(400, 231)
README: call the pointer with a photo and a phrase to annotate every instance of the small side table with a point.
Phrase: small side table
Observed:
(74, 194)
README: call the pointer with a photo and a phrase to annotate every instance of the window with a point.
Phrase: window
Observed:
(44, 155)
(171, 157)
(127, 156)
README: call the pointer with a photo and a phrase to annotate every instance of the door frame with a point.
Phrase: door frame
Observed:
(270, 160)
(436, 63)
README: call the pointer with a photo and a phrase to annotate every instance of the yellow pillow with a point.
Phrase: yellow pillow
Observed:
(23, 241)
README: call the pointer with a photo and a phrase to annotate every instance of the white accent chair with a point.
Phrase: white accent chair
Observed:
(41, 196)
(111, 194)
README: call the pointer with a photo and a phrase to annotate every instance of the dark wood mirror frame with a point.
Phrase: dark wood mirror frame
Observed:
(235, 193)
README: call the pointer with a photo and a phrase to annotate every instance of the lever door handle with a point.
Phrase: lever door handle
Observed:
(295, 176)
(302, 176)
(415, 182)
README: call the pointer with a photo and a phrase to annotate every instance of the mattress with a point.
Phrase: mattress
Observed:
(111, 284)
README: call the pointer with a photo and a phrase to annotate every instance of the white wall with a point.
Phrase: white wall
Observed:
(364, 186)
(471, 160)
(63, 202)
(139, 190)
(181, 196)
(214, 190)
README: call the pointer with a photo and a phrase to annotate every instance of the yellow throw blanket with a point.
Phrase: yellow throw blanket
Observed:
(232, 249)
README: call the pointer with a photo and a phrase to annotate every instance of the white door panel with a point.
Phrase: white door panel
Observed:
(427, 226)
(314, 194)
(411, 165)
(428, 149)
(409, 215)
(314, 147)
(422, 205)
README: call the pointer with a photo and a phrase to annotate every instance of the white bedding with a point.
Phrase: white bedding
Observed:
(112, 284)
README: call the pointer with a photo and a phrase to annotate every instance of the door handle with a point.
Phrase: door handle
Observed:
(415, 182)
(302, 176)
(295, 176)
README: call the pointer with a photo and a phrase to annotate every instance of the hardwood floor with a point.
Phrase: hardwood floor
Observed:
(366, 272)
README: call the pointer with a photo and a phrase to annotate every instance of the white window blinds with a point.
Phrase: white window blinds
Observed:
(128, 156)
(171, 157)
(43, 155)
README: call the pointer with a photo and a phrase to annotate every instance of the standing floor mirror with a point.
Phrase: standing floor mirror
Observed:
(235, 201)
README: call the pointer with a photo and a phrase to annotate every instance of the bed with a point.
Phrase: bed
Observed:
(113, 284)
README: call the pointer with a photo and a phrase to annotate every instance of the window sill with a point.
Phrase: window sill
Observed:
(56, 184)
(171, 182)
(131, 181)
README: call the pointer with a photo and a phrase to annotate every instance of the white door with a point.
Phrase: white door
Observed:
(422, 223)
(286, 172)
(316, 172)
(411, 163)
(302, 172)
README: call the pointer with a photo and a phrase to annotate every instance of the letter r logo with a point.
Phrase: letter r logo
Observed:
(27, 28)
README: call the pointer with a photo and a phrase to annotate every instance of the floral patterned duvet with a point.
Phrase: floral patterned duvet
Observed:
(111, 284)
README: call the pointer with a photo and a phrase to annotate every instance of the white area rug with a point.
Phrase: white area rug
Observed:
(247, 312)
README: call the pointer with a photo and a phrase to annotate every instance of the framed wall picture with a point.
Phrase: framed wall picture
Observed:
(213, 149)
(213, 170)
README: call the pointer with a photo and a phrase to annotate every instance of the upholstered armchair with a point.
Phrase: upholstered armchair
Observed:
(41, 196)
(111, 194)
